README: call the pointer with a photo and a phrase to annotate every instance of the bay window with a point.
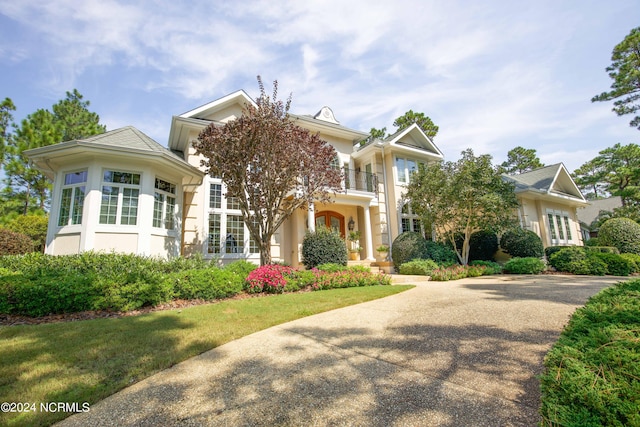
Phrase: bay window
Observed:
(72, 198)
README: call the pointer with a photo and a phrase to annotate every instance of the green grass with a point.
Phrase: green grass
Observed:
(592, 375)
(89, 360)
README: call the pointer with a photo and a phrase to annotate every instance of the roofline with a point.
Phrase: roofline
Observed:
(218, 102)
(333, 128)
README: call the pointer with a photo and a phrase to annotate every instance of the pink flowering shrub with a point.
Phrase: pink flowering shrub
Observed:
(268, 278)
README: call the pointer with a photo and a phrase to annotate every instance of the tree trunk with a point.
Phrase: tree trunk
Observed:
(265, 250)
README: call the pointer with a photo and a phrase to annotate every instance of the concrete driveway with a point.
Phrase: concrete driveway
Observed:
(461, 353)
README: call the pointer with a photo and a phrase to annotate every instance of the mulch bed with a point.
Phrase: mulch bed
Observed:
(12, 320)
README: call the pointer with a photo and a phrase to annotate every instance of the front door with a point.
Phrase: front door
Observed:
(332, 220)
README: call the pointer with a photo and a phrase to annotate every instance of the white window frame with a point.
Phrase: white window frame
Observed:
(404, 173)
(75, 205)
(414, 221)
(164, 204)
(223, 213)
(122, 186)
(560, 227)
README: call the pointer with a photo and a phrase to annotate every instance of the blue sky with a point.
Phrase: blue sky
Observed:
(493, 75)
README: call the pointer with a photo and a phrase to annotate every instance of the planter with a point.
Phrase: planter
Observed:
(354, 256)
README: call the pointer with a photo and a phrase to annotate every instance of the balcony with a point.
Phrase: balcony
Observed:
(359, 181)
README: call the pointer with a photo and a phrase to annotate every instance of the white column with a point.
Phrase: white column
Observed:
(311, 217)
(368, 239)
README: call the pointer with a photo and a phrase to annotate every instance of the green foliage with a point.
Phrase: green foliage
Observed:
(605, 249)
(441, 253)
(418, 267)
(323, 246)
(483, 245)
(622, 233)
(463, 197)
(522, 243)
(261, 157)
(491, 267)
(241, 267)
(634, 261)
(349, 279)
(453, 272)
(520, 160)
(34, 226)
(207, 284)
(331, 267)
(408, 246)
(616, 265)
(592, 373)
(550, 250)
(526, 265)
(625, 72)
(592, 242)
(424, 122)
(14, 243)
(576, 260)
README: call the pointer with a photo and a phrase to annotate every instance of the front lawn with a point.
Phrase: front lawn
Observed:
(89, 360)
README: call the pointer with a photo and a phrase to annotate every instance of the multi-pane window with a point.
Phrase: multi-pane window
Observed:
(405, 168)
(72, 200)
(408, 220)
(559, 227)
(164, 207)
(120, 194)
(233, 203)
(234, 240)
(253, 245)
(214, 234)
(215, 196)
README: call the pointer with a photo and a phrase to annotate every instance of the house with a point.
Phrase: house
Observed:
(589, 214)
(121, 191)
(549, 199)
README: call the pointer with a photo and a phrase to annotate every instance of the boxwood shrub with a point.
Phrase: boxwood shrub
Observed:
(408, 246)
(576, 260)
(526, 265)
(419, 267)
(323, 246)
(550, 250)
(616, 265)
(634, 261)
(207, 284)
(522, 243)
(623, 233)
(483, 245)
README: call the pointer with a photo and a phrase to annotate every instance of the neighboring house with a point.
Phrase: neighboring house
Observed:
(121, 191)
(588, 214)
(549, 199)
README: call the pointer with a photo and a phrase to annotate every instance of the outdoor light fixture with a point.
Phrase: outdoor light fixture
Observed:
(351, 224)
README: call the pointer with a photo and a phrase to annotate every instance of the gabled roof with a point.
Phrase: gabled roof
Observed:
(122, 141)
(238, 97)
(591, 212)
(410, 141)
(553, 181)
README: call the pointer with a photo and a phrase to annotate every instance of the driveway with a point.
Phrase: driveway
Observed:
(461, 353)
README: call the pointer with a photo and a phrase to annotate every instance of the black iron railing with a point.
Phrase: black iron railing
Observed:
(359, 180)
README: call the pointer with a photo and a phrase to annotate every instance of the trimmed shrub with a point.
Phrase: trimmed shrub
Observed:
(604, 249)
(550, 250)
(242, 268)
(440, 253)
(34, 226)
(622, 233)
(331, 267)
(207, 283)
(408, 246)
(124, 295)
(348, 279)
(323, 246)
(576, 260)
(419, 267)
(522, 243)
(483, 245)
(526, 265)
(592, 242)
(616, 265)
(634, 261)
(453, 272)
(14, 243)
(301, 279)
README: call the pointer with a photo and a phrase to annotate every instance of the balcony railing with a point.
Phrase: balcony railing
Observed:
(360, 181)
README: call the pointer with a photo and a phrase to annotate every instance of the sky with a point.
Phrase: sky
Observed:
(492, 75)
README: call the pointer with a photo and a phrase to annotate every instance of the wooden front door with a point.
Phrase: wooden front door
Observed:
(332, 220)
